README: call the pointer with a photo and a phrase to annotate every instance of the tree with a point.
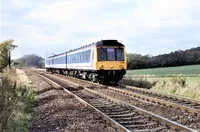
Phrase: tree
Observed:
(5, 48)
(30, 60)
(177, 58)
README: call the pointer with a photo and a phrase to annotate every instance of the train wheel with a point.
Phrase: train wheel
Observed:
(94, 78)
(66, 73)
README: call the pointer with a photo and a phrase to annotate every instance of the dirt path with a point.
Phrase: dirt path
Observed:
(55, 111)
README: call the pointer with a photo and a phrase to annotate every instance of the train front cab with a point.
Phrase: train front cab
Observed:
(111, 63)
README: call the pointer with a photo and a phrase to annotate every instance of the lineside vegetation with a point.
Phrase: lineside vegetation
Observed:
(5, 48)
(182, 81)
(16, 100)
(179, 86)
(176, 85)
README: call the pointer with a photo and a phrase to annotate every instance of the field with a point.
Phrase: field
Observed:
(187, 70)
(165, 78)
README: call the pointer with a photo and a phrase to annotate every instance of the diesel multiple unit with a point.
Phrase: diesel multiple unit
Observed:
(104, 62)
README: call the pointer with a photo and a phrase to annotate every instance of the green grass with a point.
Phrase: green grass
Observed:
(188, 70)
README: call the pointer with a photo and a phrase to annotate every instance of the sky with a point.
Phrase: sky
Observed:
(47, 27)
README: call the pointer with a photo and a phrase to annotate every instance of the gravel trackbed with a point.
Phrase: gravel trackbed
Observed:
(56, 111)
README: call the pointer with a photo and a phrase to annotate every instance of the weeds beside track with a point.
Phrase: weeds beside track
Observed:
(16, 99)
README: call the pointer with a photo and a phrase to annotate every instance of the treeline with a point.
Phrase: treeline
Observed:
(177, 58)
(30, 60)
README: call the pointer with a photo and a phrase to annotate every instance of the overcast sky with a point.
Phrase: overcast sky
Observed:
(151, 27)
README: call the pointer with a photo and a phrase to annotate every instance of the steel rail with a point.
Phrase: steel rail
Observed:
(113, 123)
(161, 119)
(146, 90)
(161, 94)
(148, 98)
(155, 100)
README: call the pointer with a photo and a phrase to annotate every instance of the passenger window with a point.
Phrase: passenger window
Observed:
(84, 56)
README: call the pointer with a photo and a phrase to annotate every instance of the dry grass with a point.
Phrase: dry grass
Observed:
(178, 86)
(15, 103)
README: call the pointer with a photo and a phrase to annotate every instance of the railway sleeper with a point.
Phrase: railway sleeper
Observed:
(117, 113)
(121, 112)
(157, 129)
(115, 110)
(138, 117)
(127, 118)
(131, 119)
(174, 100)
(196, 107)
(132, 122)
(97, 103)
(188, 103)
(142, 126)
(182, 102)
(111, 106)
(125, 115)
(101, 106)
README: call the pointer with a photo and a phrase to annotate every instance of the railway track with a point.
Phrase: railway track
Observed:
(172, 112)
(125, 116)
(184, 104)
(179, 103)
(195, 104)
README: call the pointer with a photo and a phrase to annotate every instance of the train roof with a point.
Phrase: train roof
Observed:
(108, 43)
(56, 55)
(98, 44)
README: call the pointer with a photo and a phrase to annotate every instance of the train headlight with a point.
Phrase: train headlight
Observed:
(101, 67)
(111, 67)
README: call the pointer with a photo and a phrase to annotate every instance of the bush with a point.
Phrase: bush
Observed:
(138, 81)
(179, 80)
(7, 96)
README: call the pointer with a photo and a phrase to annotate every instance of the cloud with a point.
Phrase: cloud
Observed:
(148, 26)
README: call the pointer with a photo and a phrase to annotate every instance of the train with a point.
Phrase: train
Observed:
(104, 61)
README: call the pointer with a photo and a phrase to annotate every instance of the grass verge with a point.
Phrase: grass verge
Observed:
(16, 101)
(178, 86)
(139, 81)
